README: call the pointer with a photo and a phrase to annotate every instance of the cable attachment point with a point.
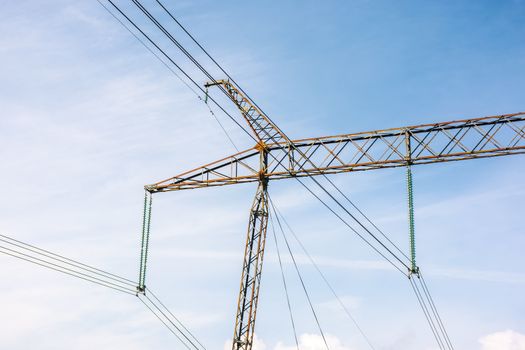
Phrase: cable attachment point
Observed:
(413, 271)
(141, 290)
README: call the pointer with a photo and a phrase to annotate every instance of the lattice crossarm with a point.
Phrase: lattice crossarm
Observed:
(430, 143)
(238, 168)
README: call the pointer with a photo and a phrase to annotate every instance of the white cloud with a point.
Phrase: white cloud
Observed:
(504, 340)
(306, 342)
(315, 342)
(258, 344)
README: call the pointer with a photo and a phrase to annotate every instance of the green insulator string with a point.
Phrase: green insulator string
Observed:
(411, 229)
(146, 224)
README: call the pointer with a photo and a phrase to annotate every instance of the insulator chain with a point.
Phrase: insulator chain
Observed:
(144, 249)
(413, 267)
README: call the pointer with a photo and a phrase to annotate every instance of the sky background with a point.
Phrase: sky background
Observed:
(89, 117)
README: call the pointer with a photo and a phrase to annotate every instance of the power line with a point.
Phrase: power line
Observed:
(176, 319)
(152, 18)
(170, 69)
(366, 217)
(58, 257)
(365, 337)
(435, 311)
(178, 67)
(67, 269)
(350, 227)
(164, 323)
(206, 52)
(301, 279)
(426, 313)
(67, 273)
(172, 323)
(73, 268)
(148, 48)
(284, 284)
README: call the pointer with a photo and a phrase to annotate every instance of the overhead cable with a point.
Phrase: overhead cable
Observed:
(284, 283)
(212, 113)
(428, 317)
(323, 277)
(67, 273)
(300, 278)
(173, 317)
(45, 258)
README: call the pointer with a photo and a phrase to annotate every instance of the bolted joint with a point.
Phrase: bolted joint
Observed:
(263, 177)
(413, 271)
(261, 146)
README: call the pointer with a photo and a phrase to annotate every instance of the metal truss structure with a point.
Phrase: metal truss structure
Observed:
(276, 157)
(421, 144)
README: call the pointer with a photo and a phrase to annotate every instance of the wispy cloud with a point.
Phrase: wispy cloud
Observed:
(504, 340)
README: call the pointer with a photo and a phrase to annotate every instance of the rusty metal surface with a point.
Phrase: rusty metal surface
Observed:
(275, 156)
(429, 143)
(251, 271)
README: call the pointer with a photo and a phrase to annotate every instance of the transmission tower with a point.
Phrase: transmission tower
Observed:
(276, 157)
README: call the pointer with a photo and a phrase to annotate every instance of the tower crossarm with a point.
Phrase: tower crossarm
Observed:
(238, 168)
(421, 144)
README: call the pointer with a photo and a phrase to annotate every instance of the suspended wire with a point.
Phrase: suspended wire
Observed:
(176, 319)
(300, 278)
(435, 311)
(64, 268)
(284, 283)
(207, 54)
(222, 127)
(350, 227)
(312, 261)
(165, 324)
(52, 255)
(74, 274)
(178, 328)
(152, 18)
(171, 70)
(178, 67)
(148, 48)
(358, 222)
(85, 272)
(427, 314)
(366, 217)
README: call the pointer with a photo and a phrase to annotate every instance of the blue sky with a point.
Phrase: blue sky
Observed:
(90, 117)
